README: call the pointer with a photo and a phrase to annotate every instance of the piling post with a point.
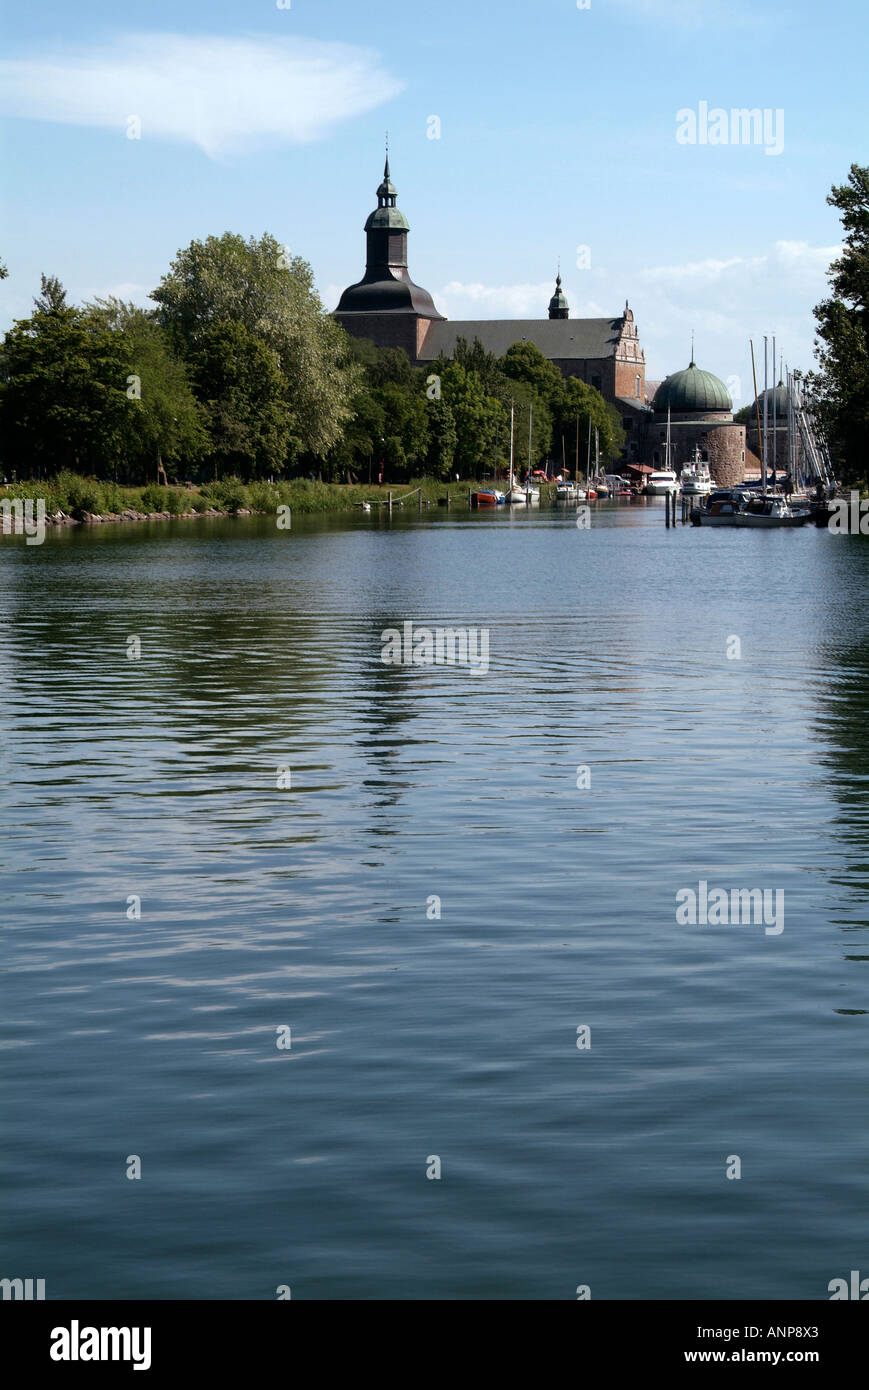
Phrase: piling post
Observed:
(419, 499)
(666, 509)
(389, 502)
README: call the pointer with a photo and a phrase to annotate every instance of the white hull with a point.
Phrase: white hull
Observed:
(523, 494)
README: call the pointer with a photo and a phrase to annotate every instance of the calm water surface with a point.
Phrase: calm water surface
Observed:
(415, 1036)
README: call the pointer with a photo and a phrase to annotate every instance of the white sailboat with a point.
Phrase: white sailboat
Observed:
(518, 491)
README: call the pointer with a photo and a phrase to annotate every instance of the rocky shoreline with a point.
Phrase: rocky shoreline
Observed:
(96, 518)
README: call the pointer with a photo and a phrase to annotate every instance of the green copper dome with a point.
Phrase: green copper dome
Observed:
(691, 390)
(392, 218)
(778, 401)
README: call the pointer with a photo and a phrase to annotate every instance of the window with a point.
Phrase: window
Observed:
(595, 381)
(637, 387)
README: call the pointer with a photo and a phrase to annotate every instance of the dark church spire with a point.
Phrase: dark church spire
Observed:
(558, 307)
(386, 285)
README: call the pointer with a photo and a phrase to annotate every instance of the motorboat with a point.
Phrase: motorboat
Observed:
(661, 482)
(769, 511)
(696, 479)
(721, 508)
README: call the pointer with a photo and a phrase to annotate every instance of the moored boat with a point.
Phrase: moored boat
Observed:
(661, 482)
(721, 508)
(696, 480)
(769, 511)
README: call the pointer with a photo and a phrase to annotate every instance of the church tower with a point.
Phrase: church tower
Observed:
(386, 305)
(558, 304)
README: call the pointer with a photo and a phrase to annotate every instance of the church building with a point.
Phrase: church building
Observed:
(390, 309)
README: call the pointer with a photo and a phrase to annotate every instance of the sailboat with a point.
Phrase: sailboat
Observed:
(664, 480)
(518, 491)
(567, 491)
(601, 486)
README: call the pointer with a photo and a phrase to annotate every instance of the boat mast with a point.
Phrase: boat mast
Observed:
(756, 405)
(774, 438)
(511, 446)
(667, 446)
(765, 407)
(791, 471)
(530, 423)
(588, 457)
(576, 469)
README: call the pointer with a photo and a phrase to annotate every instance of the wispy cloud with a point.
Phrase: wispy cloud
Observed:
(222, 94)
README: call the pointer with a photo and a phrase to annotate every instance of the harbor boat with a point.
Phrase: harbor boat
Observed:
(696, 479)
(523, 492)
(601, 487)
(721, 508)
(661, 482)
(488, 497)
(771, 510)
(569, 492)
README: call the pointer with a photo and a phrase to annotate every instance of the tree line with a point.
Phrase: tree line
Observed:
(239, 372)
(839, 389)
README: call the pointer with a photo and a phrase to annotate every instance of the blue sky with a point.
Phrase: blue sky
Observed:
(557, 131)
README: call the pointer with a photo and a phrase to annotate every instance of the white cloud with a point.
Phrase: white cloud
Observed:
(727, 301)
(222, 94)
(477, 301)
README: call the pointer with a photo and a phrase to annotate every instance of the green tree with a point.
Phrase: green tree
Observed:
(258, 285)
(172, 425)
(839, 390)
(525, 362)
(442, 438)
(476, 417)
(240, 384)
(579, 401)
(63, 402)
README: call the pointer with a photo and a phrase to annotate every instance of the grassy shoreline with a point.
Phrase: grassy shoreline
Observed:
(81, 499)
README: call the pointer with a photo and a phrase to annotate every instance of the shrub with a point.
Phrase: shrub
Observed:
(227, 493)
(262, 497)
(79, 495)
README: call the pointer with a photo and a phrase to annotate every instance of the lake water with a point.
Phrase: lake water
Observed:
(312, 908)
